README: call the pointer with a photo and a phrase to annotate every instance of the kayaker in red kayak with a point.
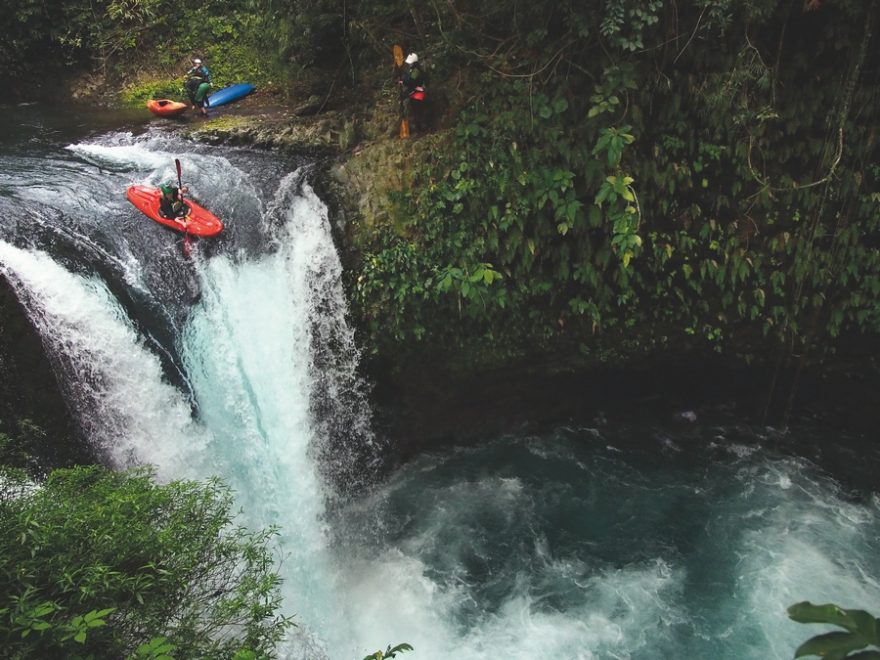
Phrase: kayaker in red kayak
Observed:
(171, 203)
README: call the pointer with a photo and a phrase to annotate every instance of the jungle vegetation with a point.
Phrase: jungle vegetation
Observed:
(103, 564)
(636, 177)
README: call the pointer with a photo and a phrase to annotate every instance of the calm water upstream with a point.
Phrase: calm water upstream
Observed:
(649, 539)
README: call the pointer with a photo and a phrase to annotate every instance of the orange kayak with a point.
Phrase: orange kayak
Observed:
(198, 222)
(165, 107)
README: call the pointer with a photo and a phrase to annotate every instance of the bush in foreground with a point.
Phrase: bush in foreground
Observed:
(95, 563)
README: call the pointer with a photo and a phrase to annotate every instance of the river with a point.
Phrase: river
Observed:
(652, 537)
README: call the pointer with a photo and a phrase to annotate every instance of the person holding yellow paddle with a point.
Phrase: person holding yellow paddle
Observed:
(412, 91)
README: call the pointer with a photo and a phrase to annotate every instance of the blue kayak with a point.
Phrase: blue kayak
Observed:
(229, 94)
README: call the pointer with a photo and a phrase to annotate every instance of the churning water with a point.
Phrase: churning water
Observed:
(594, 541)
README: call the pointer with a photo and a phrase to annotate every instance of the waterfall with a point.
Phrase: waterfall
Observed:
(272, 366)
(114, 384)
(580, 543)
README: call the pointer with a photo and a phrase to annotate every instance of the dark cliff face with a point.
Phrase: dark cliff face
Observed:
(32, 410)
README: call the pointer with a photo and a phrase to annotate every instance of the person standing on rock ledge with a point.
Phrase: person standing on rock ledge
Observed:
(198, 83)
(412, 93)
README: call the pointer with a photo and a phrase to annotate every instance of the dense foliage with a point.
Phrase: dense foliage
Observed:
(101, 564)
(119, 37)
(647, 172)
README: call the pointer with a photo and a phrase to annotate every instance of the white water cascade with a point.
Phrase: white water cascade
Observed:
(571, 545)
(267, 336)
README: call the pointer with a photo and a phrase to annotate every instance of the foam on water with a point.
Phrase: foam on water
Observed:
(484, 556)
(253, 347)
(114, 383)
(122, 154)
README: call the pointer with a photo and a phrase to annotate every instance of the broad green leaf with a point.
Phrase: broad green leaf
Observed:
(833, 644)
(858, 621)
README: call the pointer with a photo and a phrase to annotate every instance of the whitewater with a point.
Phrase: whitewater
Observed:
(241, 362)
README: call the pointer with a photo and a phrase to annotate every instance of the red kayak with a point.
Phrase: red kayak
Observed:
(198, 222)
(165, 107)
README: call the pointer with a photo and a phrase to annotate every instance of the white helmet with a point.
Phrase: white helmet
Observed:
(196, 61)
(412, 58)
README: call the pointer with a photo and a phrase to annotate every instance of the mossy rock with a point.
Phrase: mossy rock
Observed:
(223, 126)
(375, 170)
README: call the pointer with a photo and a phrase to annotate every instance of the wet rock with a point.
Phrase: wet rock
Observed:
(310, 106)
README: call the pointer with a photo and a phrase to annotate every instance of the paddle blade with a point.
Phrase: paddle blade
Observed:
(187, 245)
(404, 129)
(398, 55)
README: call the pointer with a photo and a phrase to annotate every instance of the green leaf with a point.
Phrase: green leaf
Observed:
(400, 648)
(43, 609)
(833, 644)
(858, 621)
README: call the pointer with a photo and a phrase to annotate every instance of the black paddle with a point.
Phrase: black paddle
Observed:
(186, 245)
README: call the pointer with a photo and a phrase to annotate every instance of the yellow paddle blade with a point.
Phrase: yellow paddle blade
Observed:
(398, 55)
(404, 129)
